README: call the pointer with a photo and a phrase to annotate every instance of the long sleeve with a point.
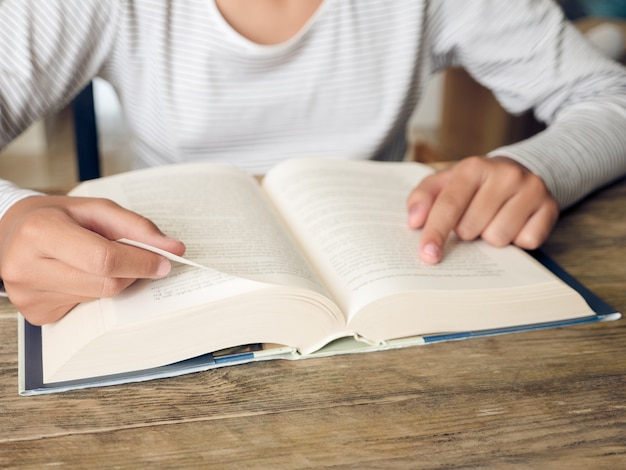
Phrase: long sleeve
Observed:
(531, 57)
(12, 194)
(48, 51)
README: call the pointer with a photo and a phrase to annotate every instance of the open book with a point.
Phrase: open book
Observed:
(317, 253)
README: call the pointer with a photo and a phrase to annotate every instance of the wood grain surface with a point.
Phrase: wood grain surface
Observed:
(543, 399)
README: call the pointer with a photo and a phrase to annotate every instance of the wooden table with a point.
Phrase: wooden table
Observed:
(546, 398)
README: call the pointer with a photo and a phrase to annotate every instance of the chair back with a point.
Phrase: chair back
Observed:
(86, 134)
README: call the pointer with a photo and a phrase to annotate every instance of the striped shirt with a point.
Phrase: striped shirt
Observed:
(345, 86)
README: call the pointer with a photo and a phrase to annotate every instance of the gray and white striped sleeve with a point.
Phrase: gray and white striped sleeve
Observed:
(531, 57)
(48, 51)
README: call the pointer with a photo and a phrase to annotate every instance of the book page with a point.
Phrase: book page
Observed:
(223, 218)
(253, 285)
(352, 219)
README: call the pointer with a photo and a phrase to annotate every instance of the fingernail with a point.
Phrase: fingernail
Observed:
(164, 268)
(432, 251)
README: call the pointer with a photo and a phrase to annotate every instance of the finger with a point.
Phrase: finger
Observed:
(538, 227)
(40, 308)
(39, 317)
(446, 211)
(60, 237)
(55, 276)
(486, 203)
(532, 203)
(114, 222)
(421, 199)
